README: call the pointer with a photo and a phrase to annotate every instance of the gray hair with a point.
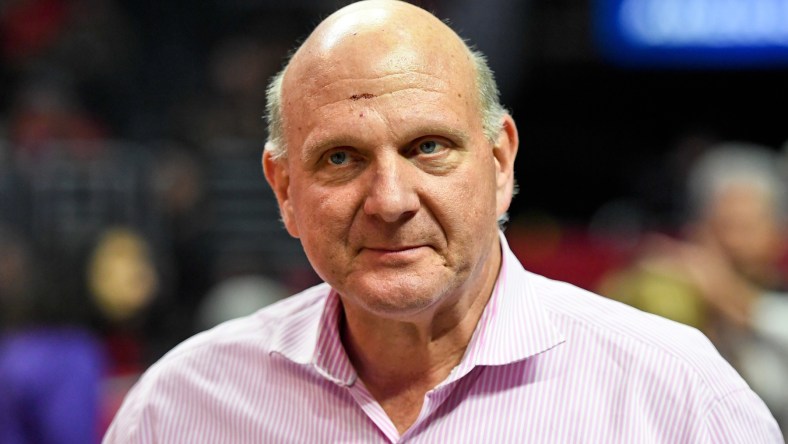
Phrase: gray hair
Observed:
(736, 163)
(487, 90)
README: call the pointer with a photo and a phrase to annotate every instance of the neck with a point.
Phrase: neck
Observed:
(395, 353)
(400, 360)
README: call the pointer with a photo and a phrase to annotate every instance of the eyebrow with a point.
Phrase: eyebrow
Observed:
(455, 134)
(312, 150)
(424, 129)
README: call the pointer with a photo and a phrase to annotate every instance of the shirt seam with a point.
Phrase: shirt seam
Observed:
(646, 344)
(717, 400)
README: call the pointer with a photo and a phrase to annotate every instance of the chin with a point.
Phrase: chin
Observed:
(396, 300)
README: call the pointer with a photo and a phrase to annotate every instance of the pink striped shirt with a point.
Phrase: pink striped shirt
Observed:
(548, 362)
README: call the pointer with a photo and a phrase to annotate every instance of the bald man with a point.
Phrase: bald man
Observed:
(392, 162)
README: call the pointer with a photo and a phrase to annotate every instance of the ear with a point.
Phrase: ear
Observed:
(504, 152)
(277, 173)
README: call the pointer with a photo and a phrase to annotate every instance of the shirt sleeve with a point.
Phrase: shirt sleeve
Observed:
(740, 417)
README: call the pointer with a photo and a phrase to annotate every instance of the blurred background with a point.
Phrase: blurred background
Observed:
(134, 213)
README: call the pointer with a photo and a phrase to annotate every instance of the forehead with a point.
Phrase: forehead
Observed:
(400, 82)
(375, 54)
(378, 87)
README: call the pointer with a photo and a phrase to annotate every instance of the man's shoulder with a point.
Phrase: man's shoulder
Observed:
(646, 373)
(574, 304)
(239, 360)
(652, 344)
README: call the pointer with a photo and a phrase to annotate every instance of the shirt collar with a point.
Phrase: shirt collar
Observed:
(329, 357)
(514, 326)
(311, 336)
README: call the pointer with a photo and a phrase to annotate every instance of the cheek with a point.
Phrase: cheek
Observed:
(319, 216)
(469, 199)
(479, 188)
(323, 214)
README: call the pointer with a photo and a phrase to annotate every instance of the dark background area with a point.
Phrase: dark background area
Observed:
(594, 131)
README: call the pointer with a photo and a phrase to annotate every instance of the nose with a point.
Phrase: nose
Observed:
(392, 192)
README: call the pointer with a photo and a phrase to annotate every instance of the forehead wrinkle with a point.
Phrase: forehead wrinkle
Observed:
(370, 102)
(383, 77)
(378, 86)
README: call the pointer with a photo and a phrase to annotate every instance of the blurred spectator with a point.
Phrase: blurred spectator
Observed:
(46, 115)
(76, 334)
(122, 282)
(51, 365)
(88, 41)
(738, 207)
(725, 276)
(121, 275)
(180, 195)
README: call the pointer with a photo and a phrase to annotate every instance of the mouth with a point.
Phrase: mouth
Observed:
(394, 255)
(392, 249)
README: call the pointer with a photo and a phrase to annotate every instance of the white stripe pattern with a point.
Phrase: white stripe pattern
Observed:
(548, 363)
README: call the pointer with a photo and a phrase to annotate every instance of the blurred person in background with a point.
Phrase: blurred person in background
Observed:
(75, 335)
(46, 116)
(121, 276)
(178, 182)
(726, 275)
(739, 210)
(123, 286)
(89, 42)
(51, 364)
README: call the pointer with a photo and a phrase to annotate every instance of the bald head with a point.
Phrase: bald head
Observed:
(373, 39)
(385, 36)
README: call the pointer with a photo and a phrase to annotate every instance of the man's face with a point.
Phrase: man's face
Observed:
(744, 225)
(389, 181)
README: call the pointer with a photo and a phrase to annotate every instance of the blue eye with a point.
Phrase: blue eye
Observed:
(428, 146)
(338, 157)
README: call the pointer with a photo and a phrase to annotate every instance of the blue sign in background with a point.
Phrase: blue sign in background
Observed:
(687, 33)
